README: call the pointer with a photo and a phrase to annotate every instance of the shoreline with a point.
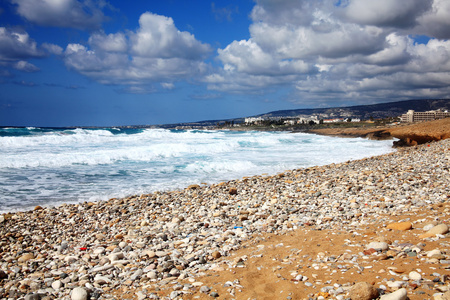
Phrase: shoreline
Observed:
(184, 243)
(293, 159)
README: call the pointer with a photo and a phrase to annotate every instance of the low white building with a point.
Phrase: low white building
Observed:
(253, 120)
(334, 120)
(416, 116)
(308, 119)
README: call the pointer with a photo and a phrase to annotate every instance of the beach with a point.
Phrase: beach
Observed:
(358, 230)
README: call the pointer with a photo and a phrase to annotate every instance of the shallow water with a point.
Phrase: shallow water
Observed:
(55, 166)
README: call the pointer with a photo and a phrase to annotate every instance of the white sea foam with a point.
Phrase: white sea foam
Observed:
(55, 166)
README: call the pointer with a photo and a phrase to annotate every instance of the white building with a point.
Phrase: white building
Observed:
(414, 116)
(253, 120)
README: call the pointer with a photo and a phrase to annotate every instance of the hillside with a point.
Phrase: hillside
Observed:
(365, 112)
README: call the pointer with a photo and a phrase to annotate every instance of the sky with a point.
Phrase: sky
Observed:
(111, 63)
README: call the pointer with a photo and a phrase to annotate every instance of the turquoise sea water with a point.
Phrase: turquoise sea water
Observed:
(54, 166)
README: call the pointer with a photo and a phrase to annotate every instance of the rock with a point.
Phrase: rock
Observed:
(116, 256)
(38, 207)
(141, 296)
(413, 275)
(445, 296)
(78, 293)
(56, 285)
(216, 254)
(378, 246)
(149, 253)
(400, 226)
(363, 291)
(32, 297)
(2, 219)
(100, 236)
(397, 295)
(233, 191)
(435, 252)
(70, 259)
(438, 229)
(3, 275)
(193, 187)
(25, 257)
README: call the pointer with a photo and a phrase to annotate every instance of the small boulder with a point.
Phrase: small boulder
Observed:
(438, 229)
(216, 254)
(400, 226)
(378, 246)
(363, 291)
(413, 275)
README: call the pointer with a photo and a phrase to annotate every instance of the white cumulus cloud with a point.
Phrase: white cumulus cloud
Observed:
(85, 14)
(157, 36)
(157, 52)
(352, 50)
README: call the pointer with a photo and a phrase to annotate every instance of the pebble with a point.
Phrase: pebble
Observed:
(400, 226)
(378, 246)
(26, 257)
(57, 284)
(363, 291)
(413, 275)
(438, 229)
(78, 293)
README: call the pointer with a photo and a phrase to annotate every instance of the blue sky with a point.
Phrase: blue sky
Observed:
(106, 63)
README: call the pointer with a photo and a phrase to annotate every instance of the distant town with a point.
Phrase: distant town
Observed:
(406, 111)
(409, 117)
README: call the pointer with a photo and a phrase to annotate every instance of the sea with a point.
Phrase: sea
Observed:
(49, 167)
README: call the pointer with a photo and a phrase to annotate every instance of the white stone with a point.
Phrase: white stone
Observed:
(70, 259)
(433, 252)
(378, 246)
(152, 275)
(56, 285)
(116, 256)
(413, 275)
(397, 295)
(99, 250)
(78, 293)
(395, 284)
(101, 279)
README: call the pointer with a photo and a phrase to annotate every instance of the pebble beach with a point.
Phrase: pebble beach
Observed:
(365, 229)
